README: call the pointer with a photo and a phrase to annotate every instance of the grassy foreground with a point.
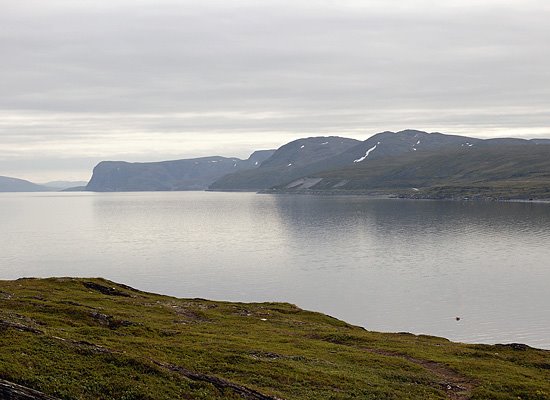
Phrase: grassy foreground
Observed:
(91, 339)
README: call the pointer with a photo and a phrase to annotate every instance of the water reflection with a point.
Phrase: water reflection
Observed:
(419, 263)
(388, 265)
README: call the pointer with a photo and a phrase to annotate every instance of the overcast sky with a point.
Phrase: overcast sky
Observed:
(140, 80)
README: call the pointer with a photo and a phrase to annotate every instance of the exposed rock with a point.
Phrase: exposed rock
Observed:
(12, 391)
(110, 321)
(110, 291)
(19, 327)
(219, 383)
(516, 346)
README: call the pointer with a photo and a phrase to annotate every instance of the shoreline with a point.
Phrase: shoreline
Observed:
(335, 193)
(401, 196)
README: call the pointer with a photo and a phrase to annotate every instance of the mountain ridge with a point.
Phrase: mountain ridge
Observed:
(9, 184)
(388, 146)
(312, 164)
(63, 185)
(509, 170)
(292, 160)
(184, 174)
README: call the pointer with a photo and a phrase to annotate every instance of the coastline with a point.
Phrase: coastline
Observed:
(404, 196)
(374, 194)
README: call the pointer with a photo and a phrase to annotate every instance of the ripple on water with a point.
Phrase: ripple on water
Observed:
(388, 265)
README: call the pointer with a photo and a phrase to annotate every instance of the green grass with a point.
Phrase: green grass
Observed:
(76, 340)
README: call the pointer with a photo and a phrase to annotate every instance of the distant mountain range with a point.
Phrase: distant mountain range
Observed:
(63, 185)
(8, 184)
(409, 163)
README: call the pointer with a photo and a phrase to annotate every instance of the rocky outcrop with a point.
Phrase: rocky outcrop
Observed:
(13, 391)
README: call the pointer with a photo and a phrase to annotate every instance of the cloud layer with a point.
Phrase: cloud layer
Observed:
(143, 80)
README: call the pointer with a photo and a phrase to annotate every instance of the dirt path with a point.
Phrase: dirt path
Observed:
(455, 385)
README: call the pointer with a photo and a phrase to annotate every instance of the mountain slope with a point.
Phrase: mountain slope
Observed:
(488, 168)
(62, 185)
(290, 161)
(188, 174)
(411, 142)
(408, 142)
(19, 185)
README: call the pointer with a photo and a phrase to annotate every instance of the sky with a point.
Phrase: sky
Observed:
(144, 80)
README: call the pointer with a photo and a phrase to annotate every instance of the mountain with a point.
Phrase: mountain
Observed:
(384, 161)
(75, 189)
(188, 174)
(381, 145)
(393, 144)
(295, 159)
(291, 161)
(500, 168)
(61, 185)
(19, 185)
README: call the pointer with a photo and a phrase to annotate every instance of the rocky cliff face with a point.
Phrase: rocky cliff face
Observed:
(12, 391)
(188, 174)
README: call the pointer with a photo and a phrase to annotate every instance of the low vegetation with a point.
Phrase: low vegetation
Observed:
(91, 338)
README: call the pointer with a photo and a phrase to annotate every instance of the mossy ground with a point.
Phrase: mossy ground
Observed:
(78, 339)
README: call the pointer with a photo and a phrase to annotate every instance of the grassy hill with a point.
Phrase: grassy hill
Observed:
(91, 338)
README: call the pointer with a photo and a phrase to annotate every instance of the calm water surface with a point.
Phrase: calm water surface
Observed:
(388, 265)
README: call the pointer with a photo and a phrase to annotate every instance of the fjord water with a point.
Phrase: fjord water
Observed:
(387, 265)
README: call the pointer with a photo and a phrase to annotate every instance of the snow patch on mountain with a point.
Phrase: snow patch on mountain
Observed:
(367, 153)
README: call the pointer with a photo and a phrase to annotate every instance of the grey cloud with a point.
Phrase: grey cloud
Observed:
(116, 71)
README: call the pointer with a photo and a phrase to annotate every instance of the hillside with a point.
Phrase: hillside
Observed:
(19, 185)
(397, 144)
(188, 174)
(63, 185)
(91, 338)
(292, 160)
(497, 169)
